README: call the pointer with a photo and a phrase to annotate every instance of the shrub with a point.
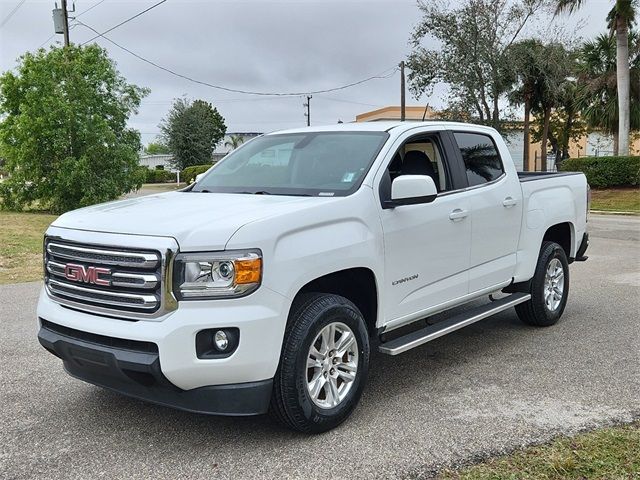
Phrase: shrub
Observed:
(189, 174)
(159, 176)
(603, 172)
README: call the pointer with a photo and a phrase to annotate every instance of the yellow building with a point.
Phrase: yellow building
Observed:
(392, 112)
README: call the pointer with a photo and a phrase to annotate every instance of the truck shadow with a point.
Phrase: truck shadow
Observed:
(393, 382)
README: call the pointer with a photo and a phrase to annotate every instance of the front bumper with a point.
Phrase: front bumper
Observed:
(259, 317)
(133, 368)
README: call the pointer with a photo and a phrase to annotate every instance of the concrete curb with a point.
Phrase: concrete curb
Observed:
(607, 212)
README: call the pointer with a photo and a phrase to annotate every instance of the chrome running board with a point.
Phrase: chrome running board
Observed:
(431, 332)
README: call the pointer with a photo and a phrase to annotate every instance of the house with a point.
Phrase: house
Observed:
(161, 162)
(392, 113)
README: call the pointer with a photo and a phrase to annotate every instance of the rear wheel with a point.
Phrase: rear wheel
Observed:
(549, 288)
(324, 364)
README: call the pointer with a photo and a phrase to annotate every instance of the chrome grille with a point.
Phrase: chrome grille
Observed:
(123, 282)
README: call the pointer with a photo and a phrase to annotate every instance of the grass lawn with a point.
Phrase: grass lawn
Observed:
(609, 453)
(616, 200)
(21, 245)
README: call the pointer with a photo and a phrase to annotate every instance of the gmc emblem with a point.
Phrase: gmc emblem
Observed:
(80, 273)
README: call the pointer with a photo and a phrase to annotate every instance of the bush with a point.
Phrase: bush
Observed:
(159, 176)
(603, 172)
(189, 174)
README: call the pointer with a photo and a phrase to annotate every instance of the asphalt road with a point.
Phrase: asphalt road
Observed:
(490, 388)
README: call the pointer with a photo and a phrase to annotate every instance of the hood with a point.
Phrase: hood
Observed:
(198, 221)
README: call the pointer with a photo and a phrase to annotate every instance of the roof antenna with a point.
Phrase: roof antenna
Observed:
(426, 107)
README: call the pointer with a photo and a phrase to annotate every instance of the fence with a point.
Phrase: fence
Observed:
(598, 153)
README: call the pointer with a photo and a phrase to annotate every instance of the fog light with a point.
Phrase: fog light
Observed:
(221, 340)
(212, 343)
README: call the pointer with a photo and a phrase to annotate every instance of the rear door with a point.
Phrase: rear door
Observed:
(496, 205)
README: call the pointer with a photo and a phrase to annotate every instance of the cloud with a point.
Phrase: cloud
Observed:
(262, 45)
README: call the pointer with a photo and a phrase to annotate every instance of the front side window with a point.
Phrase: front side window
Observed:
(481, 159)
(308, 164)
(421, 156)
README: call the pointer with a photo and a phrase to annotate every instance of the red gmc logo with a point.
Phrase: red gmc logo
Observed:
(80, 273)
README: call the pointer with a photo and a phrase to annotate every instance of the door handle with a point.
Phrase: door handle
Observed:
(509, 202)
(458, 214)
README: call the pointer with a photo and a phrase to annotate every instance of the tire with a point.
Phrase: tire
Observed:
(544, 310)
(292, 403)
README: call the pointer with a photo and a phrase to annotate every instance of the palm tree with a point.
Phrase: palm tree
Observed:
(554, 69)
(526, 58)
(621, 16)
(234, 141)
(597, 95)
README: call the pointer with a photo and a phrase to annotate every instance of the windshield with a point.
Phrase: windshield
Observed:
(314, 164)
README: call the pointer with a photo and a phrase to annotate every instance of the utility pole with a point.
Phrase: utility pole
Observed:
(65, 23)
(403, 106)
(61, 20)
(308, 113)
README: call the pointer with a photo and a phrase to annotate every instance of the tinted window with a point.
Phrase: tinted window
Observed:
(481, 159)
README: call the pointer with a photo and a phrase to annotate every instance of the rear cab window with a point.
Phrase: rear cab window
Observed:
(482, 162)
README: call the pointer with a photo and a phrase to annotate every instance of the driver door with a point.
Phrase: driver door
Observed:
(427, 246)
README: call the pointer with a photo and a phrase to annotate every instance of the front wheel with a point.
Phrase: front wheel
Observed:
(324, 364)
(549, 288)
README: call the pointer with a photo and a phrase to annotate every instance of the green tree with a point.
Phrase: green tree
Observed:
(565, 123)
(191, 130)
(619, 19)
(64, 130)
(157, 148)
(597, 95)
(555, 69)
(472, 57)
(234, 141)
(526, 61)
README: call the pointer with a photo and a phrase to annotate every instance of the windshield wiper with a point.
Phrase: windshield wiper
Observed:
(260, 192)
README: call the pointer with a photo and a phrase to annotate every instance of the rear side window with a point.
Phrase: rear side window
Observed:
(481, 159)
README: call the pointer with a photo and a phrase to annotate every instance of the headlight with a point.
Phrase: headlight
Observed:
(217, 274)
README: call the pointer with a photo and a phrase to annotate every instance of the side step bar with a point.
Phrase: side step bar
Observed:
(431, 332)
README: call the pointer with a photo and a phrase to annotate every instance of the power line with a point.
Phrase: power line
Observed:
(342, 100)
(382, 75)
(12, 13)
(71, 27)
(222, 100)
(89, 9)
(125, 21)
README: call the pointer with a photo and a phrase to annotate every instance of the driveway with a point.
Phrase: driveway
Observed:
(490, 388)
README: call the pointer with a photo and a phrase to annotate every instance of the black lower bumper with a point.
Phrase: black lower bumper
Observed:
(133, 368)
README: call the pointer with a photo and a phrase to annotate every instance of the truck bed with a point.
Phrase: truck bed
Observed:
(532, 176)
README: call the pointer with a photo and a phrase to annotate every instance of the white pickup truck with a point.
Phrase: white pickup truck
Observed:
(264, 285)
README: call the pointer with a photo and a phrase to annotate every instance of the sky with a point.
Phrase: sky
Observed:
(255, 45)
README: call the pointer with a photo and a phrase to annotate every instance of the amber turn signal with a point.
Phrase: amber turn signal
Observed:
(248, 270)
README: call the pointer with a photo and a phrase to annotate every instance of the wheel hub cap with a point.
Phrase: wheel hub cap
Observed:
(553, 285)
(332, 365)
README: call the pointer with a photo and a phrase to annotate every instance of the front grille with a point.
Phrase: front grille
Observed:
(103, 278)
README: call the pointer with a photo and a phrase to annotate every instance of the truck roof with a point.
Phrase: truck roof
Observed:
(383, 126)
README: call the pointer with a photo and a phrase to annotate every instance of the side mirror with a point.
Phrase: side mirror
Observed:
(411, 190)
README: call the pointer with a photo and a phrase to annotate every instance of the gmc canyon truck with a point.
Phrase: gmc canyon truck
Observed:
(263, 286)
